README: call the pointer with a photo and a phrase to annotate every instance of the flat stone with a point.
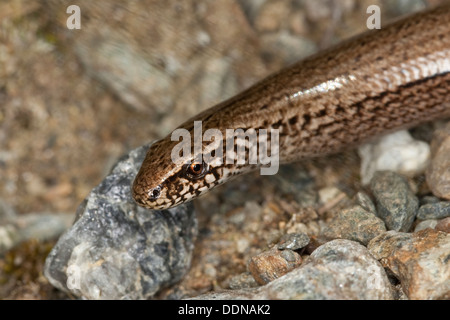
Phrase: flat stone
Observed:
(118, 250)
(419, 260)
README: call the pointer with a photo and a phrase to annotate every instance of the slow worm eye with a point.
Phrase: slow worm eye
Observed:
(154, 193)
(196, 170)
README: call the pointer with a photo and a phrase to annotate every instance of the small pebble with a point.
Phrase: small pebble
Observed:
(318, 10)
(286, 46)
(293, 241)
(243, 280)
(428, 200)
(404, 7)
(438, 172)
(296, 227)
(242, 245)
(396, 203)
(7, 213)
(328, 194)
(354, 224)
(298, 24)
(419, 260)
(272, 264)
(8, 238)
(422, 225)
(272, 15)
(437, 210)
(443, 225)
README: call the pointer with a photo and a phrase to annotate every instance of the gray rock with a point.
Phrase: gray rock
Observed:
(437, 210)
(365, 202)
(396, 203)
(118, 250)
(420, 260)
(422, 225)
(295, 181)
(354, 224)
(8, 231)
(8, 237)
(7, 213)
(289, 47)
(293, 241)
(243, 280)
(15, 229)
(428, 199)
(400, 7)
(339, 269)
(42, 226)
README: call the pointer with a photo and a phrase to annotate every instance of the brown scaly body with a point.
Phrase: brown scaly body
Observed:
(375, 83)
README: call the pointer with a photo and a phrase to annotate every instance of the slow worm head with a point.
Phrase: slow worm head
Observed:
(378, 82)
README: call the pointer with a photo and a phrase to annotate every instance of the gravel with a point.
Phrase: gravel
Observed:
(339, 269)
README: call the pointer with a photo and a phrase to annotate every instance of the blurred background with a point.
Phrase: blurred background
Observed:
(73, 101)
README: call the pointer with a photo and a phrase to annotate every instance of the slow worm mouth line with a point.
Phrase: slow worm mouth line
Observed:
(372, 84)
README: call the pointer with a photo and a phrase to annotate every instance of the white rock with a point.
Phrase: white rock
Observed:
(397, 152)
(328, 194)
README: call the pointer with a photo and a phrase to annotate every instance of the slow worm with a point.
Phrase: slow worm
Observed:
(372, 84)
